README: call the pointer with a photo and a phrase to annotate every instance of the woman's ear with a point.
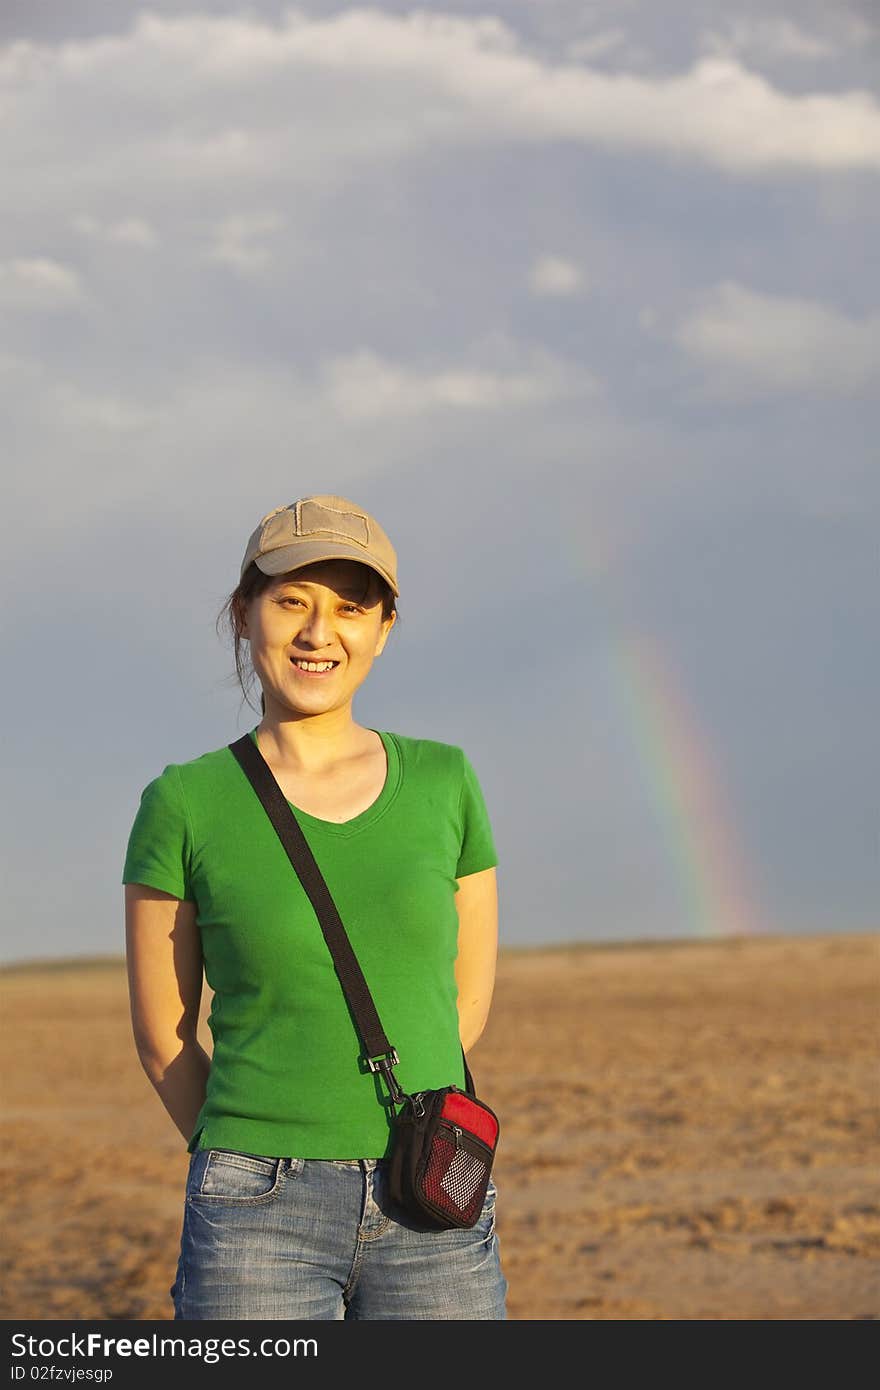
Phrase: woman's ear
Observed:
(387, 625)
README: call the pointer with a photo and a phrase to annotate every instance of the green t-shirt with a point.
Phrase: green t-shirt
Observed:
(285, 1079)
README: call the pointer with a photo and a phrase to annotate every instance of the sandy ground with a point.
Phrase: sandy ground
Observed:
(689, 1130)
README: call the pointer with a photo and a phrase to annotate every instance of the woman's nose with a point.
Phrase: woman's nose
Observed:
(317, 629)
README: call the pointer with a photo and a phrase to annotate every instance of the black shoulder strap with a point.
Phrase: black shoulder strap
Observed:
(294, 841)
(351, 978)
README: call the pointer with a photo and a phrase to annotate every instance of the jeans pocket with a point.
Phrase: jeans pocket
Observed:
(225, 1175)
(486, 1220)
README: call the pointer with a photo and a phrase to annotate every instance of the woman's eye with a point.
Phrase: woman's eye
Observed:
(352, 606)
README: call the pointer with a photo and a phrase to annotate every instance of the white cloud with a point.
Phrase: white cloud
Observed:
(220, 101)
(239, 241)
(77, 452)
(364, 385)
(107, 414)
(129, 231)
(774, 37)
(39, 284)
(778, 37)
(777, 343)
(554, 275)
(10, 363)
(593, 45)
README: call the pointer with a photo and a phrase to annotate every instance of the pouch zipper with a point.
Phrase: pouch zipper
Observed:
(467, 1141)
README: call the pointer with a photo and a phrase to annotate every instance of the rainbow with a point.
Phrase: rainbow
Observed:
(674, 760)
(686, 789)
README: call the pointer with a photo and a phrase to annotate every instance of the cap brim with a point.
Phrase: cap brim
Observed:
(293, 557)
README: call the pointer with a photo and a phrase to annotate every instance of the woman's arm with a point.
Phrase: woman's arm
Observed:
(477, 904)
(164, 959)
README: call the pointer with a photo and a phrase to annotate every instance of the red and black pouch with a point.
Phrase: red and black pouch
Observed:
(441, 1159)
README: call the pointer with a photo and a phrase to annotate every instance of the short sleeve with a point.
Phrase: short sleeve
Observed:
(159, 848)
(477, 843)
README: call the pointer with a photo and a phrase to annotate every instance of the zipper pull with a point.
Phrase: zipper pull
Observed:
(457, 1130)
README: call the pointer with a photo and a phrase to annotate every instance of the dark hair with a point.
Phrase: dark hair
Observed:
(253, 583)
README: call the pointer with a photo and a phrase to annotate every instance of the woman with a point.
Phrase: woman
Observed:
(287, 1212)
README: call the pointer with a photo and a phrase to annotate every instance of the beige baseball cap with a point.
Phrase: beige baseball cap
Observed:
(324, 527)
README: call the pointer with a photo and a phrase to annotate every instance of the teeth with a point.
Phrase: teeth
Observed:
(315, 665)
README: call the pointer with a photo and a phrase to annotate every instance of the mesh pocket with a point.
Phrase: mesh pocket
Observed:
(455, 1179)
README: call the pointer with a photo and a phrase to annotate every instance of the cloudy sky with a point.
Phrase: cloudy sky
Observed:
(582, 301)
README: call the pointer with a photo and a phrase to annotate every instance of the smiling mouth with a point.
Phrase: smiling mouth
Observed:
(323, 669)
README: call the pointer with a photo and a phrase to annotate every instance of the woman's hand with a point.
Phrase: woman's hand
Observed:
(477, 904)
(164, 959)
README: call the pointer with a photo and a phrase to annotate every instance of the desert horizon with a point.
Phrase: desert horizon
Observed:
(688, 1130)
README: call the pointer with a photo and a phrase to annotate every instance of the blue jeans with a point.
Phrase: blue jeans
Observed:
(321, 1239)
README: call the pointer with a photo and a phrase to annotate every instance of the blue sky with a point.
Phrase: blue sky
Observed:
(581, 300)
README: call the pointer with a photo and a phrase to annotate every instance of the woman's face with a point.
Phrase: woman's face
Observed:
(316, 613)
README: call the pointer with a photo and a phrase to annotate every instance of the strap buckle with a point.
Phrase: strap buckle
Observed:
(384, 1065)
(383, 1062)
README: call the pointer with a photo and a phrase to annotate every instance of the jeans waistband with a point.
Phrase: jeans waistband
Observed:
(366, 1163)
